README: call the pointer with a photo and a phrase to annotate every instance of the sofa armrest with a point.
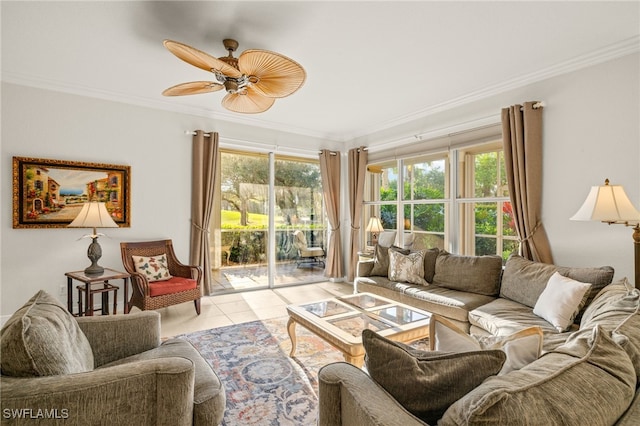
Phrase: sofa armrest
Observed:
(364, 268)
(150, 392)
(113, 337)
(349, 396)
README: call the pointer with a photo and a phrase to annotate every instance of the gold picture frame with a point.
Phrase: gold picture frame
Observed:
(50, 193)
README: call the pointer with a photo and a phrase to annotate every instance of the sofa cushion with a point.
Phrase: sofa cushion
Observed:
(407, 268)
(43, 339)
(475, 274)
(588, 380)
(381, 260)
(209, 397)
(611, 306)
(524, 280)
(424, 382)
(154, 268)
(561, 300)
(616, 309)
(522, 347)
(503, 317)
(452, 304)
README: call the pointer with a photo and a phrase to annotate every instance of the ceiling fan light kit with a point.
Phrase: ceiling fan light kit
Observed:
(253, 81)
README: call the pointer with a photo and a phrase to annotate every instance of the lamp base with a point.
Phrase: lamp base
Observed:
(94, 253)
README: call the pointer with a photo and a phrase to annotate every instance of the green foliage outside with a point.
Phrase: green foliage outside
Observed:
(245, 198)
(426, 181)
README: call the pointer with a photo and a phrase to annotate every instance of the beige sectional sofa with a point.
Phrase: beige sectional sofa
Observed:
(476, 292)
(587, 374)
(590, 379)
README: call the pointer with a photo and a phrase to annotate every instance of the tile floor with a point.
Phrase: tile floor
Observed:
(228, 309)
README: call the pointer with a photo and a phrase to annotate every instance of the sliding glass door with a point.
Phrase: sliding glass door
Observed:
(269, 218)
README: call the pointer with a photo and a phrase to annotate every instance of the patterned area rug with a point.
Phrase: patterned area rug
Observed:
(264, 385)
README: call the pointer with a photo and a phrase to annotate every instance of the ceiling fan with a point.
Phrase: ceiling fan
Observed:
(253, 81)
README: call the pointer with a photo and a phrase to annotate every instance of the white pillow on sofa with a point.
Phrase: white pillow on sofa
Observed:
(522, 347)
(561, 300)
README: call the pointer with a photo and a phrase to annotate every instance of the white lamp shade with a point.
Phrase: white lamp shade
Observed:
(93, 215)
(607, 203)
(374, 225)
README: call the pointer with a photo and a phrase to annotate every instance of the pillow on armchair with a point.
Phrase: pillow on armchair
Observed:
(43, 339)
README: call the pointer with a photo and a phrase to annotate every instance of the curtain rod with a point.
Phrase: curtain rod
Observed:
(192, 133)
(536, 105)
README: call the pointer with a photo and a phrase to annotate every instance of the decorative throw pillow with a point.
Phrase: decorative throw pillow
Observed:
(561, 300)
(522, 347)
(407, 268)
(155, 268)
(426, 383)
(43, 339)
(381, 260)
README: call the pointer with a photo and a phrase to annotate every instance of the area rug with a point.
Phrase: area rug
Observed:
(264, 385)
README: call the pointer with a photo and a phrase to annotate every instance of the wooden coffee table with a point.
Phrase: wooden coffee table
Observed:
(340, 322)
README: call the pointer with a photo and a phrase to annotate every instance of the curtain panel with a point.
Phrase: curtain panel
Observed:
(522, 140)
(330, 172)
(358, 158)
(205, 157)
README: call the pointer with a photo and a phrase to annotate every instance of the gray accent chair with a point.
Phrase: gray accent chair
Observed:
(92, 370)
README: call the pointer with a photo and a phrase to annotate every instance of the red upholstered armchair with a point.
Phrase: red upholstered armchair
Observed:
(157, 277)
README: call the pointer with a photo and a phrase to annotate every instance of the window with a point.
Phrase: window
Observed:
(255, 216)
(475, 219)
(486, 223)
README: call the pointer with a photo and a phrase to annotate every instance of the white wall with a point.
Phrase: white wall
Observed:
(591, 131)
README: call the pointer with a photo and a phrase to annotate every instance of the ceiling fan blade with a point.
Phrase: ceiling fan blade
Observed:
(193, 88)
(199, 59)
(277, 76)
(249, 103)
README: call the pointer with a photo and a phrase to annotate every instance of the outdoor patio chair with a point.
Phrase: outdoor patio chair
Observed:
(311, 256)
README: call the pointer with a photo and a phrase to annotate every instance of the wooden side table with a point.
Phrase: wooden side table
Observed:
(108, 274)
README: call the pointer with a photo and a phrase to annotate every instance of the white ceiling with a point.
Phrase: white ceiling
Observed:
(370, 65)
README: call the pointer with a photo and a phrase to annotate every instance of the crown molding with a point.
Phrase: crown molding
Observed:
(608, 53)
(92, 92)
(614, 51)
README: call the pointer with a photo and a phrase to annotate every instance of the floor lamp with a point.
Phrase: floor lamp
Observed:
(610, 204)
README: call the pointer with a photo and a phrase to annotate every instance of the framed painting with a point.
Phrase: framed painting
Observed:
(50, 193)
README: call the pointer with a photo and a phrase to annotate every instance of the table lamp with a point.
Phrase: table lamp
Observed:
(610, 204)
(93, 215)
(375, 227)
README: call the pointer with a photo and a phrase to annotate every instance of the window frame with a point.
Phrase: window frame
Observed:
(459, 230)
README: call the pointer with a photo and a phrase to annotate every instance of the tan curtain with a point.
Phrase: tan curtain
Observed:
(203, 186)
(522, 140)
(357, 168)
(330, 172)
